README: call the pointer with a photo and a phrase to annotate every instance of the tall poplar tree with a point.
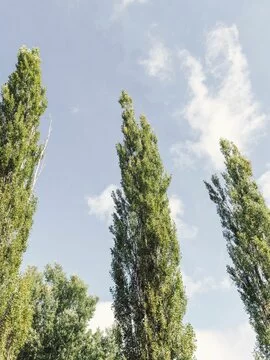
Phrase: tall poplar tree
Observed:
(21, 105)
(148, 294)
(245, 219)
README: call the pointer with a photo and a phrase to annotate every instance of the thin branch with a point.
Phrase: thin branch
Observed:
(40, 164)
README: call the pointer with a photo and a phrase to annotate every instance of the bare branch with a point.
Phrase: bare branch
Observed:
(40, 164)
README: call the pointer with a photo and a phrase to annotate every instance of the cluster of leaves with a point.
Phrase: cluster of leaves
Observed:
(60, 327)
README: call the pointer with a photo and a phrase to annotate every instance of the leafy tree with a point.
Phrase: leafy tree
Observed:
(62, 311)
(109, 345)
(60, 328)
(148, 293)
(245, 219)
(100, 346)
(21, 105)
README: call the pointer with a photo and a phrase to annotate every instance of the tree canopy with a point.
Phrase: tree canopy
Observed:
(60, 328)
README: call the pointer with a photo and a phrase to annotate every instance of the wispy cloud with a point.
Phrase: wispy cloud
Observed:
(204, 285)
(121, 5)
(158, 62)
(70, 6)
(126, 3)
(177, 213)
(222, 103)
(74, 110)
(102, 205)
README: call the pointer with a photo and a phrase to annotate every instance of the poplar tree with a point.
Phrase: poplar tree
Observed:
(21, 105)
(245, 219)
(148, 294)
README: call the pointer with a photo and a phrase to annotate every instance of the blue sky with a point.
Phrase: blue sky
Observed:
(199, 71)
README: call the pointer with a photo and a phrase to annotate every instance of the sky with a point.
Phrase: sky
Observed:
(199, 71)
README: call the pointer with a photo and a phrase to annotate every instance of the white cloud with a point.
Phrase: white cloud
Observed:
(221, 101)
(126, 3)
(204, 285)
(177, 212)
(159, 61)
(74, 109)
(233, 344)
(103, 317)
(102, 205)
(264, 183)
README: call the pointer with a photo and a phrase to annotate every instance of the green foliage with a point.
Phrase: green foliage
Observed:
(22, 104)
(60, 328)
(149, 298)
(62, 310)
(18, 317)
(245, 219)
(109, 346)
(100, 346)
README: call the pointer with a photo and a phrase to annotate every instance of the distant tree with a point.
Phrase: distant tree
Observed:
(245, 219)
(148, 294)
(22, 104)
(60, 328)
